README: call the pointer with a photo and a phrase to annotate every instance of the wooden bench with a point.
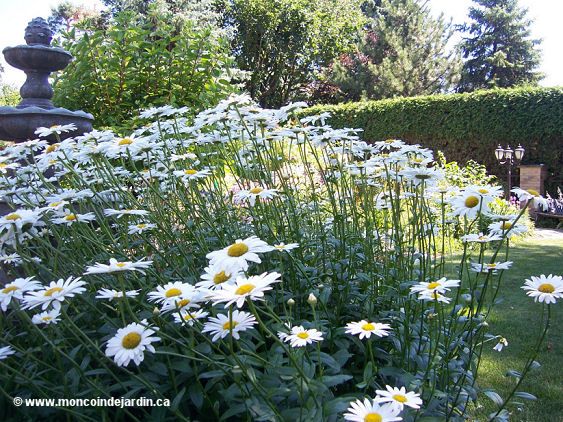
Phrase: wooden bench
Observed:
(550, 215)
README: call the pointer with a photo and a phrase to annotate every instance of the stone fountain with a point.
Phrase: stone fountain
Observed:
(38, 59)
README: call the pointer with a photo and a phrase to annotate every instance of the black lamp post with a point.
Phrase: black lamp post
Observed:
(510, 158)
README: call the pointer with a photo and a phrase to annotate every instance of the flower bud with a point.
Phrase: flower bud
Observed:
(312, 299)
(290, 302)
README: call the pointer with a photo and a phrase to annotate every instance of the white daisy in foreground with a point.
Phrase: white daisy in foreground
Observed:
(67, 217)
(470, 204)
(188, 316)
(130, 343)
(501, 343)
(216, 276)
(110, 294)
(441, 286)
(15, 290)
(398, 397)
(507, 228)
(140, 228)
(365, 329)
(239, 253)
(544, 288)
(252, 287)
(54, 294)
(47, 317)
(251, 195)
(21, 217)
(115, 266)
(492, 266)
(176, 294)
(480, 238)
(43, 132)
(371, 411)
(5, 352)
(222, 325)
(299, 336)
(283, 247)
(108, 212)
(191, 174)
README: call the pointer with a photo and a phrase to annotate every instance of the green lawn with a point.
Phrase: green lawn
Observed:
(518, 319)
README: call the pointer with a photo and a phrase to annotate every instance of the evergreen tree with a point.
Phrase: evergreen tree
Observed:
(498, 51)
(403, 52)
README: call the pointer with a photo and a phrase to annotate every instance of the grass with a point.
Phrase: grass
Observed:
(517, 319)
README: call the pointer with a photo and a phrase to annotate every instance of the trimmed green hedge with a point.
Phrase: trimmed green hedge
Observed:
(467, 126)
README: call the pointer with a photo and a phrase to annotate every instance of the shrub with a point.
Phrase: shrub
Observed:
(153, 296)
(9, 95)
(467, 126)
(140, 61)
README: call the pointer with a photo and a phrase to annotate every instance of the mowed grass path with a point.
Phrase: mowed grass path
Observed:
(518, 320)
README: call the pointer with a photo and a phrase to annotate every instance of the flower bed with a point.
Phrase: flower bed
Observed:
(248, 265)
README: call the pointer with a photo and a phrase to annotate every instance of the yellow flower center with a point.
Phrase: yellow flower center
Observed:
(494, 265)
(125, 141)
(400, 398)
(53, 290)
(244, 289)
(389, 141)
(70, 217)
(120, 264)
(51, 148)
(141, 226)
(3, 165)
(47, 318)
(373, 417)
(54, 127)
(506, 225)
(131, 340)
(304, 335)
(221, 277)
(256, 190)
(190, 172)
(55, 204)
(237, 249)
(173, 292)
(10, 289)
(228, 326)
(182, 303)
(533, 192)
(483, 191)
(546, 288)
(471, 201)
(433, 285)
(188, 317)
(13, 217)
(417, 160)
(368, 327)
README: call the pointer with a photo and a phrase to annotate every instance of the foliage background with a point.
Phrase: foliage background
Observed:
(469, 125)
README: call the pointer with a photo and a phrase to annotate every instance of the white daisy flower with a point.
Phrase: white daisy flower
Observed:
(371, 411)
(433, 296)
(140, 228)
(252, 287)
(544, 288)
(485, 190)
(130, 343)
(19, 218)
(216, 276)
(222, 325)
(239, 253)
(365, 329)
(470, 204)
(43, 132)
(5, 352)
(507, 228)
(67, 217)
(47, 317)
(441, 286)
(299, 336)
(176, 295)
(110, 294)
(191, 174)
(501, 344)
(251, 195)
(283, 247)
(115, 266)
(188, 316)
(398, 397)
(54, 294)
(11, 259)
(536, 200)
(108, 212)
(492, 266)
(15, 290)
